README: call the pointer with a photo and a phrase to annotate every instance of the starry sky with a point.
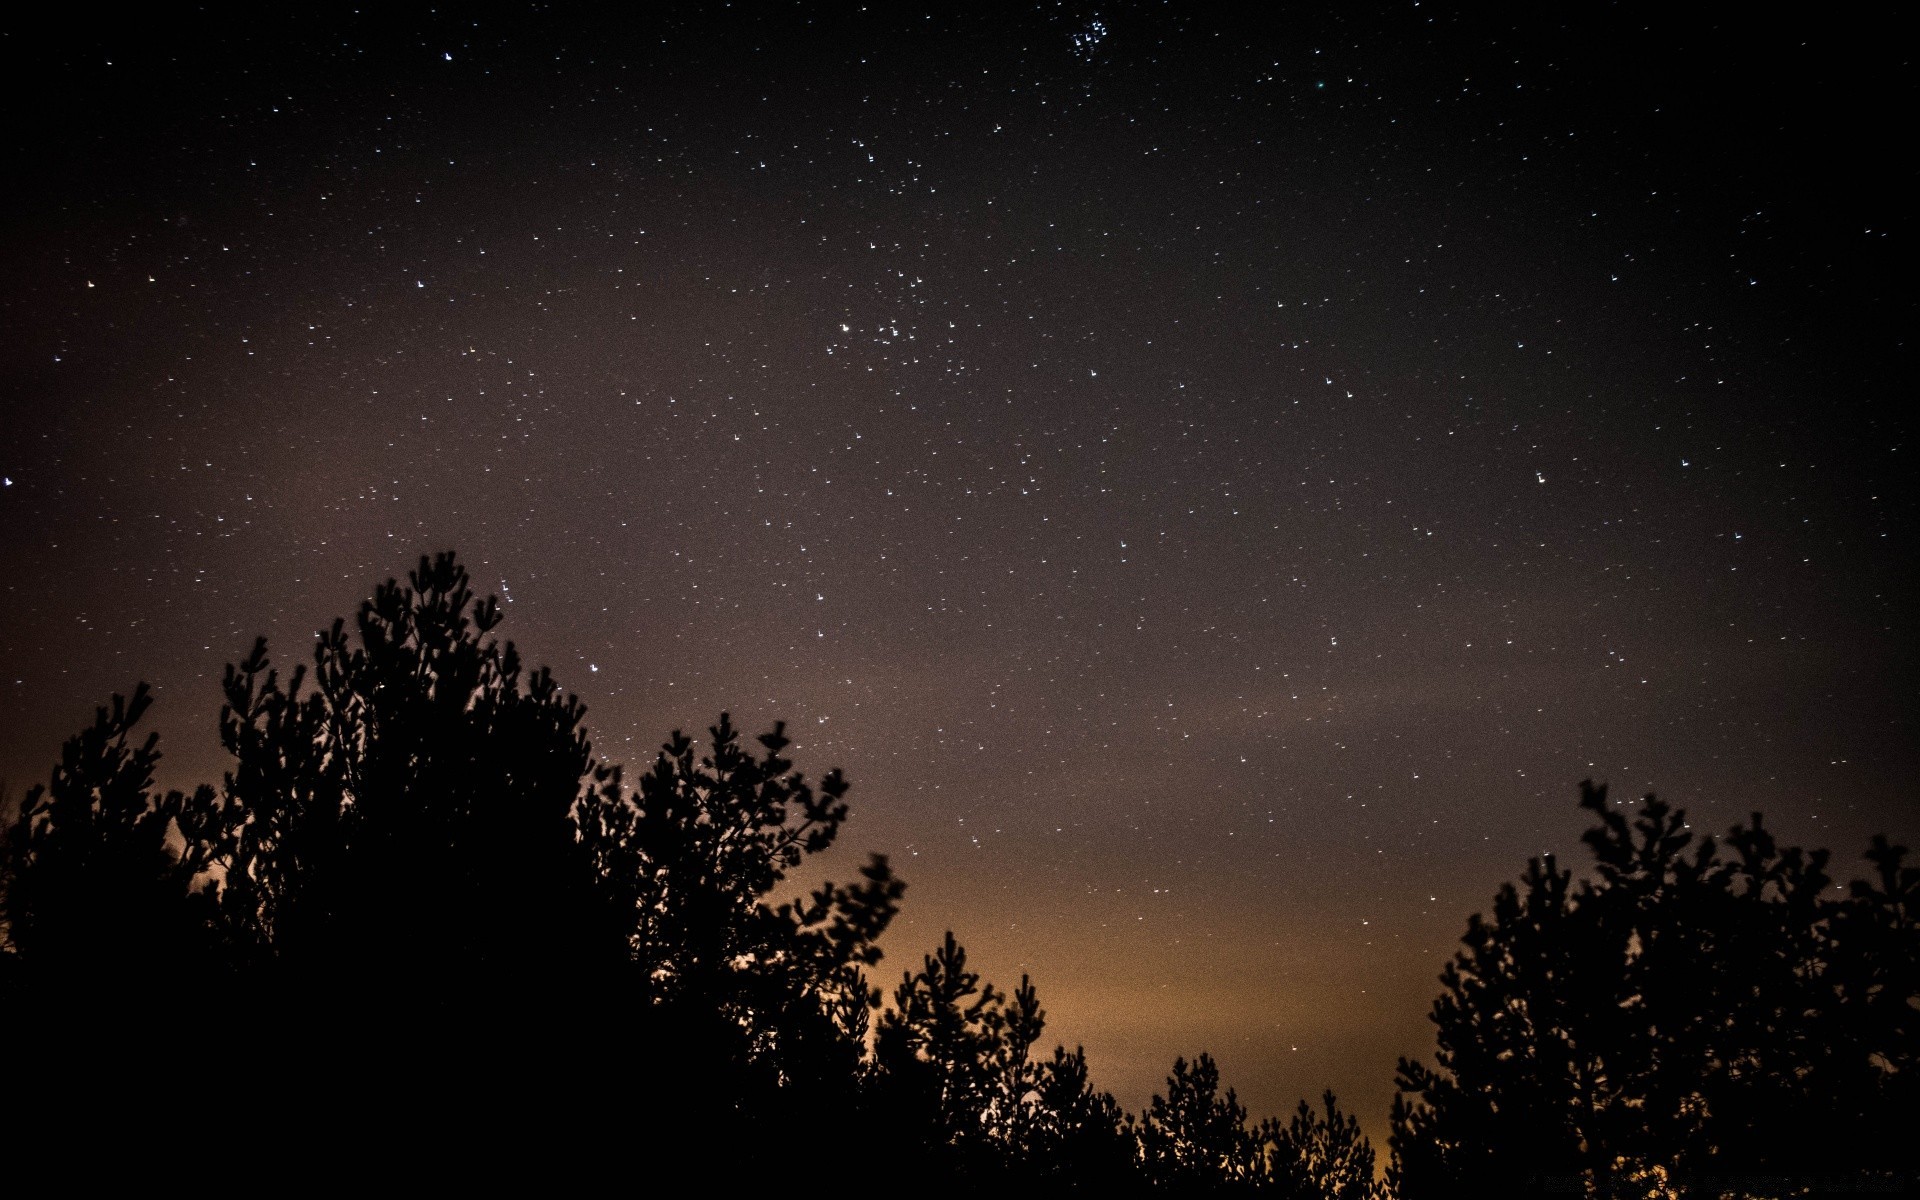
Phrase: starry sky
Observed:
(1216, 484)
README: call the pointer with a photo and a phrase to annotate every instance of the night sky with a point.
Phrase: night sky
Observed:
(1215, 485)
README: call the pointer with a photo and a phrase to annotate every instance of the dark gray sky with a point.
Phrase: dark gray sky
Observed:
(1215, 488)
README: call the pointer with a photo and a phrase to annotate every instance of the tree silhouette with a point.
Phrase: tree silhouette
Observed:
(941, 1054)
(401, 881)
(1680, 1014)
(417, 880)
(1320, 1155)
(758, 1004)
(102, 924)
(958, 1085)
(1078, 1138)
(417, 886)
(89, 885)
(1195, 1139)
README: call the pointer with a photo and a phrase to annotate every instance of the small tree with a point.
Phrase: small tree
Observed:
(1320, 1155)
(1195, 1139)
(104, 940)
(1080, 1138)
(88, 885)
(937, 1054)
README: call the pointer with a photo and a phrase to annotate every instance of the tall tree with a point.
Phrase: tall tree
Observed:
(1685, 1010)
(759, 1004)
(418, 882)
(396, 842)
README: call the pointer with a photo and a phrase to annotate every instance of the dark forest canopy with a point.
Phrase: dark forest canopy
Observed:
(418, 886)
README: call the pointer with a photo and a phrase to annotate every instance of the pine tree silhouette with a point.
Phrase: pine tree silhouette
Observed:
(1194, 1139)
(89, 888)
(956, 1083)
(1079, 1138)
(750, 1006)
(935, 1052)
(105, 947)
(418, 887)
(1682, 1014)
(1320, 1156)
(419, 915)
(400, 878)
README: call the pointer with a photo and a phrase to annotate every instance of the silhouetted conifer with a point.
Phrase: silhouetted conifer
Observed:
(418, 888)
(89, 886)
(756, 1005)
(936, 1051)
(1319, 1156)
(417, 885)
(105, 946)
(1194, 1139)
(1682, 1014)
(1078, 1138)
(402, 886)
(956, 1084)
